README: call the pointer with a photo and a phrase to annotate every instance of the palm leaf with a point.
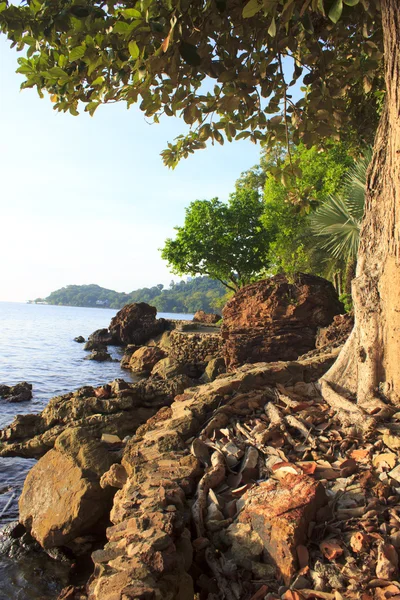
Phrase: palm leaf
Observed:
(338, 220)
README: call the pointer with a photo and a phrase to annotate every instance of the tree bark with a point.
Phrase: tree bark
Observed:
(369, 364)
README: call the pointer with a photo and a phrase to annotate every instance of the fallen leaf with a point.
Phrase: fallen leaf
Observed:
(387, 460)
(308, 467)
(303, 556)
(391, 441)
(260, 593)
(359, 542)
(387, 563)
(291, 595)
(359, 455)
(348, 467)
(331, 549)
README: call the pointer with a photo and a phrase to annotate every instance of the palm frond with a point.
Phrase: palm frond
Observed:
(338, 220)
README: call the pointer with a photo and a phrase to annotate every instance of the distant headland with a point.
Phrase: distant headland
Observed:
(198, 293)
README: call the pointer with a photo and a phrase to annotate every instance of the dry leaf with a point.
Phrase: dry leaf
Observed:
(260, 593)
(359, 542)
(387, 563)
(331, 549)
(388, 459)
(359, 455)
(392, 441)
(303, 556)
(308, 467)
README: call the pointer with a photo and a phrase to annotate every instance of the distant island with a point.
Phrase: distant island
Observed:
(199, 293)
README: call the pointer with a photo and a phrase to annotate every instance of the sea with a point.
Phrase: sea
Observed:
(37, 345)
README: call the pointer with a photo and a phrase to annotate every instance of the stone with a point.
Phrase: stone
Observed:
(214, 367)
(143, 360)
(62, 498)
(276, 319)
(206, 318)
(336, 333)
(168, 367)
(21, 392)
(108, 438)
(95, 345)
(116, 477)
(101, 336)
(99, 355)
(136, 324)
(280, 512)
(79, 339)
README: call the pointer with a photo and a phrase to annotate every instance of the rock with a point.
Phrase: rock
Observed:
(102, 336)
(215, 367)
(129, 406)
(21, 392)
(99, 355)
(167, 368)
(206, 318)
(143, 360)
(136, 324)
(115, 477)
(109, 438)
(280, 512)
(129, 350)
(277, 320)
(95, 345)
(337, 332)
(80, 339)
(62, 497)
(103, 392)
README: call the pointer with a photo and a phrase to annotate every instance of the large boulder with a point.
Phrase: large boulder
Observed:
(337, 332)
(206, 318)
(62, 497)
(136, 324)
(143, 360)
(168, 367)
(276, 319)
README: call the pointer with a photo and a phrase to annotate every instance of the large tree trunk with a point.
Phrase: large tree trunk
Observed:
(369, 365)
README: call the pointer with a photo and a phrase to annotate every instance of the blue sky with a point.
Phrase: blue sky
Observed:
(88, 200)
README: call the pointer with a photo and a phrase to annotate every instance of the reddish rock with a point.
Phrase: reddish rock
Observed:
(143, 360)
(136, 324)
(280, 513)
(337, 332)
(206, 318)
(275, 320)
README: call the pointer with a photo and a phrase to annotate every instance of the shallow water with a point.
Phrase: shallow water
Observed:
(36, 345)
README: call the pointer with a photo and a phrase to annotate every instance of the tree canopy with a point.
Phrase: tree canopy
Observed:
(224, 241)
(220, 64)
(200, 293)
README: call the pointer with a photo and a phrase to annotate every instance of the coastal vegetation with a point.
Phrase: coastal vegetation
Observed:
(199, 293)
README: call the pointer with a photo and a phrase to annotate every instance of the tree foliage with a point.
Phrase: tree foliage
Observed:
(219, 64)
(200, 293)
(224, 241)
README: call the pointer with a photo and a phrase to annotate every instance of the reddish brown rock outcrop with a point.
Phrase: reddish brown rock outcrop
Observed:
(136, 324)
(206, 318)
(277, 320)
(280, 512)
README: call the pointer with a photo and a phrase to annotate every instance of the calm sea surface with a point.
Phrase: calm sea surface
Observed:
(36, 345)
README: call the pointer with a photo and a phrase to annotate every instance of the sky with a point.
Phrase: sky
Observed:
(87, 199)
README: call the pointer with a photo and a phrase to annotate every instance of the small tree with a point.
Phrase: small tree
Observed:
(224, 241)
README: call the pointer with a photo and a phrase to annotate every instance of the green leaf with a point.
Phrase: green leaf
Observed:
(272, 28)
(336, 11)
(121, 27)
(134, 50)
(131, 13)
(57, 72)
(77, 53)
(252, 8)
(98, 80)
(189, 54)
(3, 6)
(351, 2)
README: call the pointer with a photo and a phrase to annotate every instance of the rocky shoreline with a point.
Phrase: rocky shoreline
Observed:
(200, 483)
